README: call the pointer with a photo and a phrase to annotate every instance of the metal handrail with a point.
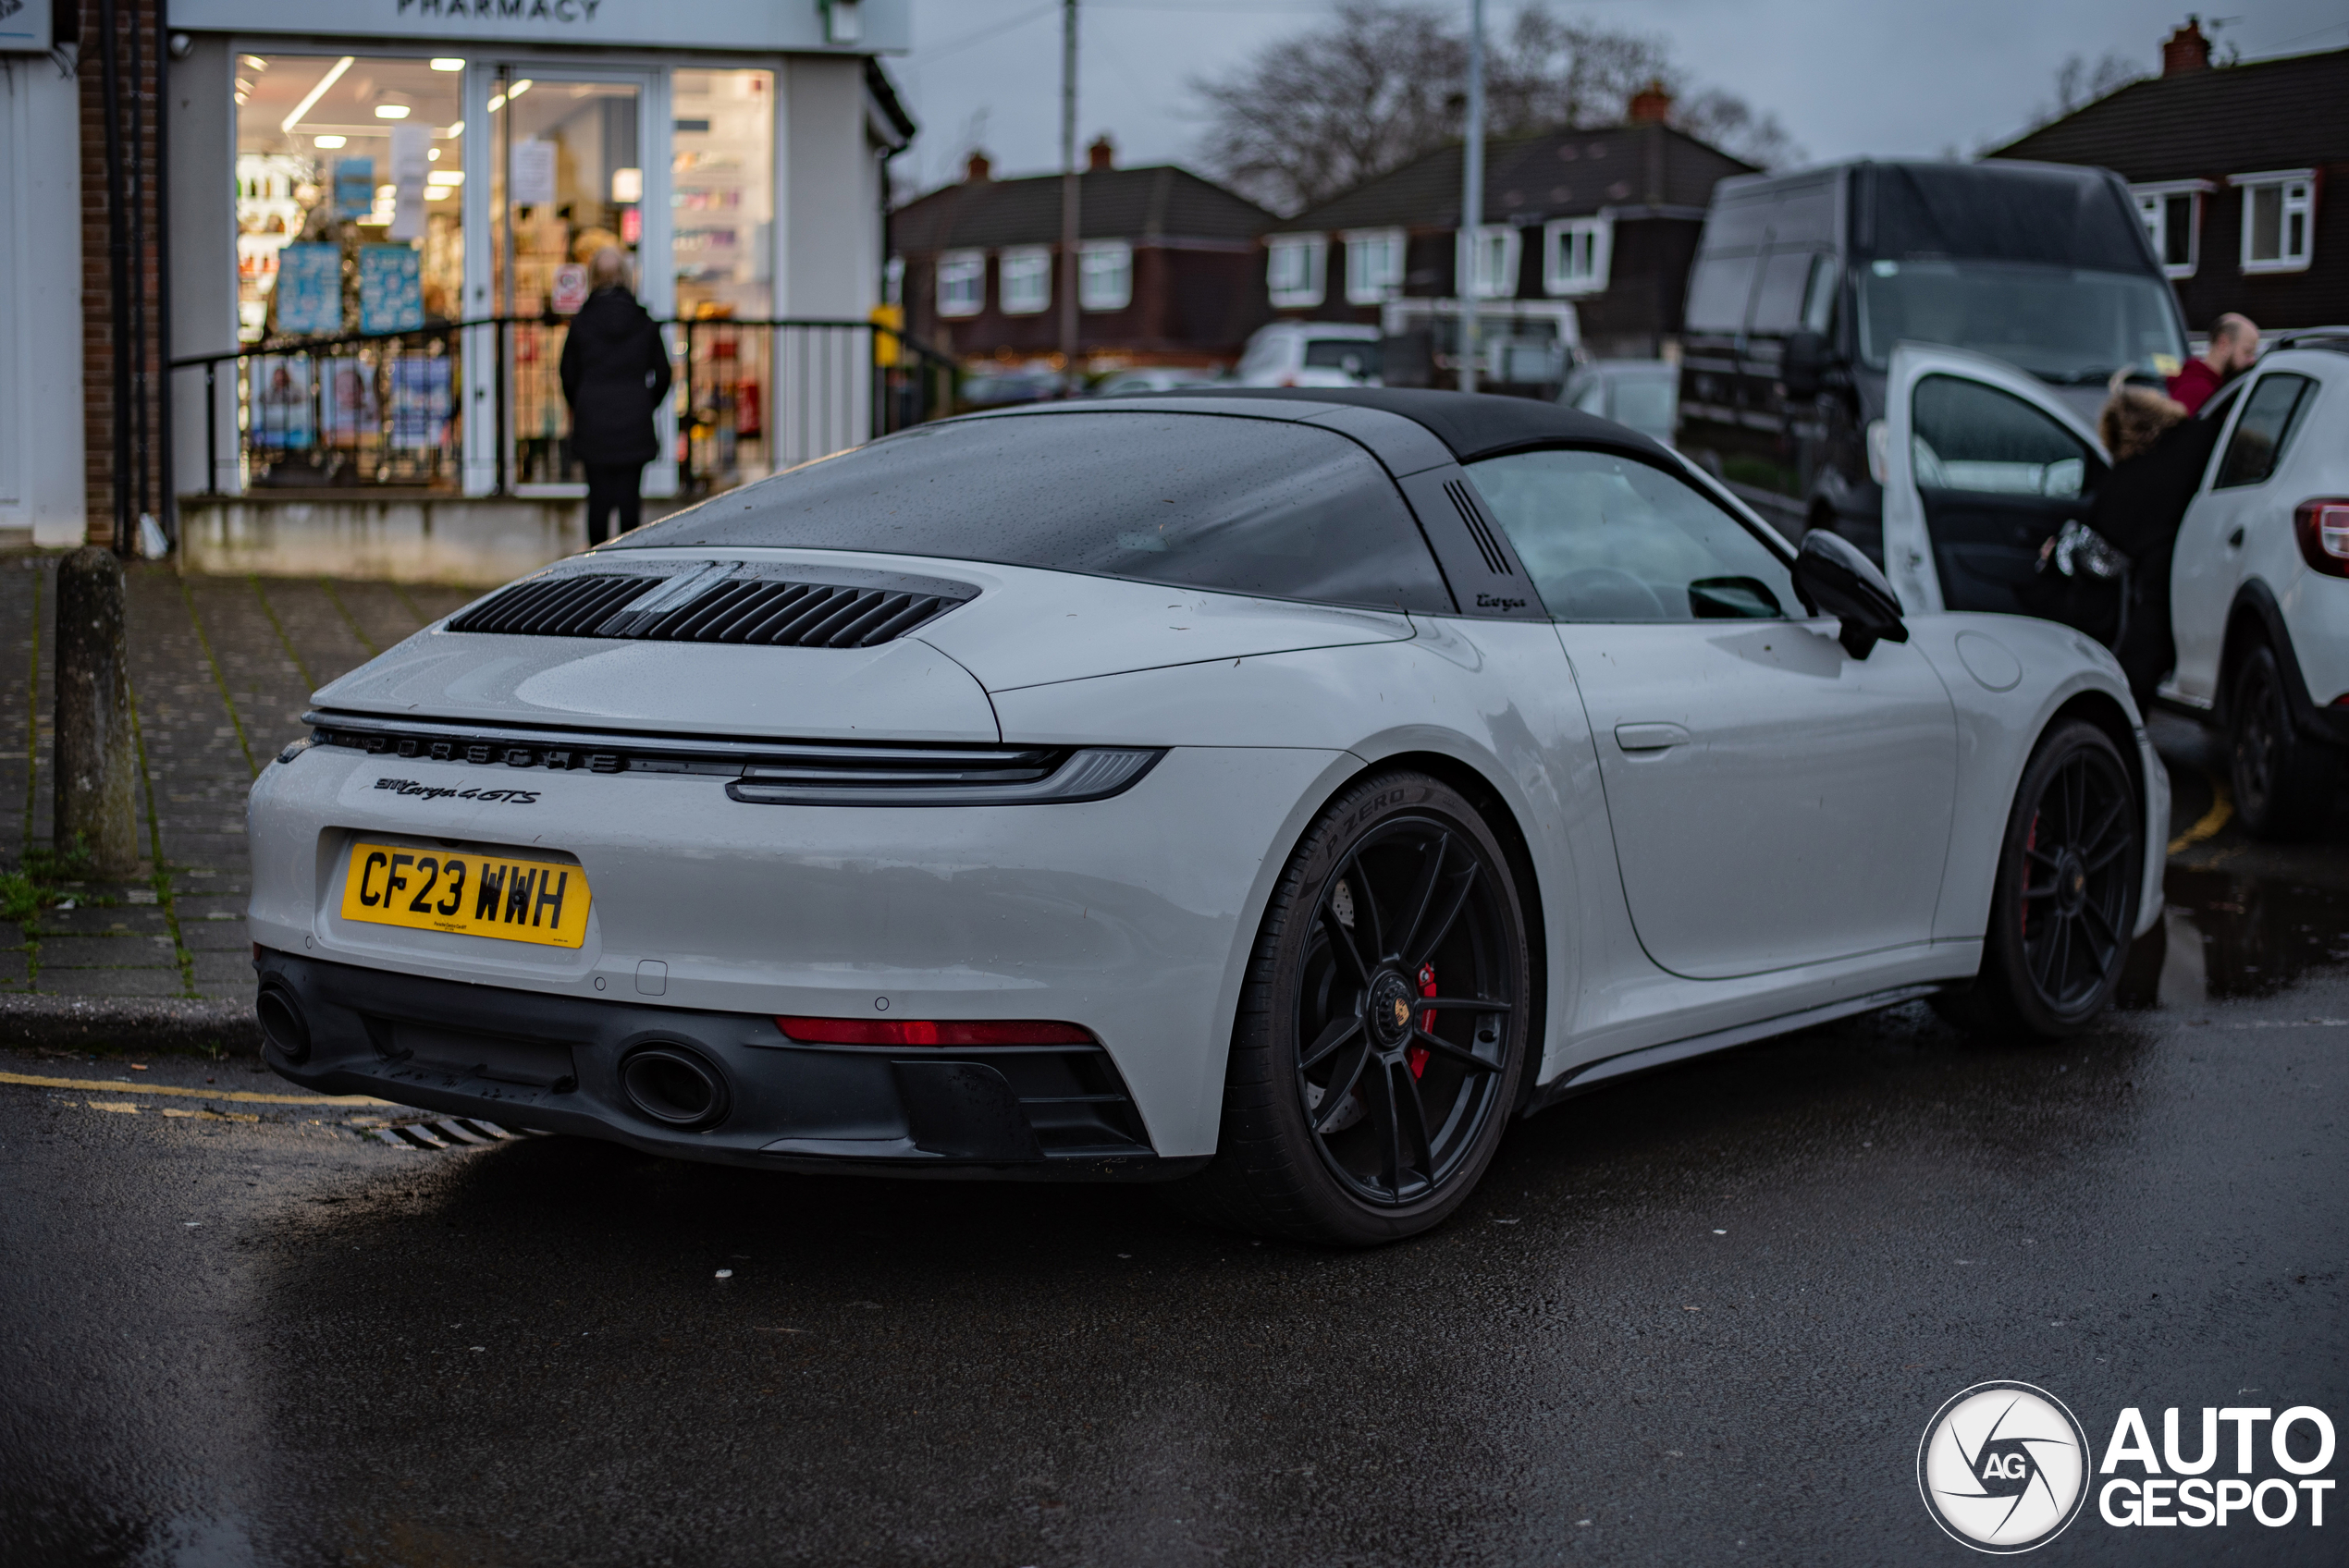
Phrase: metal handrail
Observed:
(909, 353)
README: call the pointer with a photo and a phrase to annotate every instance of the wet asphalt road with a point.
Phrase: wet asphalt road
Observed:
(1701, 1317)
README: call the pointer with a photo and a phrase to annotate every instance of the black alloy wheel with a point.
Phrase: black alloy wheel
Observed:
(2283, 781)
(1381, 1038)
(2064, 908)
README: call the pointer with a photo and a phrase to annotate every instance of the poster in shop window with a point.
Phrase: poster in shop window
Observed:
(308, 290)
(391, 294)
(25, 27)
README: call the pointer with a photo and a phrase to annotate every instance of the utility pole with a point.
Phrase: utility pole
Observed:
(1471, 195)
(1069, 192)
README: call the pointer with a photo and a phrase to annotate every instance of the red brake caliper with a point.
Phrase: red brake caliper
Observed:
(1416, 1055)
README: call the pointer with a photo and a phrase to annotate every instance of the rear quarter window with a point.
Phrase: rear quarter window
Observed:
(1240, 506)
(2272, 413)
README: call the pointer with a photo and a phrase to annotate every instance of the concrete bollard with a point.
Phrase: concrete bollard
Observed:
(97, 756)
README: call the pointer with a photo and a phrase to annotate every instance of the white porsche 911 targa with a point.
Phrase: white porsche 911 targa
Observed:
(1268, 793)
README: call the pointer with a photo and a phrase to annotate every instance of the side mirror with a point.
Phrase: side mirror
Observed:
(1832, 577)
(1803, 362)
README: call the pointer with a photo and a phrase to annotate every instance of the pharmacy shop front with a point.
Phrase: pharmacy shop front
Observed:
(404, 195)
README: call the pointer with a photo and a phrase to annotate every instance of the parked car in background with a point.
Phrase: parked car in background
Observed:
(1003, 389)
(1805, 284)
(1310, 353)
(1153, 378)
(1643, 394)
(2259, 585)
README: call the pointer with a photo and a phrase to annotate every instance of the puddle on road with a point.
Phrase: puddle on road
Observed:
(2226, 935)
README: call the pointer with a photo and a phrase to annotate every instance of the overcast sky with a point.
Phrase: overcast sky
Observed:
(1848, 78)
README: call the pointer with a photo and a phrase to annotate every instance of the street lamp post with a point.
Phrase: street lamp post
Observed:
(1471, 196)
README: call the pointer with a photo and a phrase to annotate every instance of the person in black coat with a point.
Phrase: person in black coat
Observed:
(615, 372)
(2158, 454)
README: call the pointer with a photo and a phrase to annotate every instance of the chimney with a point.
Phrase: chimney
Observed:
(1650, 106)
(1101, 156)
(978, 171)
(2185, 50)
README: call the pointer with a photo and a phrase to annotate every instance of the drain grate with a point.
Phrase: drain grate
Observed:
(447, 1133)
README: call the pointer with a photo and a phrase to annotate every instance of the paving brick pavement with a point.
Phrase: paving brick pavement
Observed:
(221, 671)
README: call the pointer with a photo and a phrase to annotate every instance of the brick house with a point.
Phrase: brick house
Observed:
(1604, 221)
(1167, 264)
(2233, 169)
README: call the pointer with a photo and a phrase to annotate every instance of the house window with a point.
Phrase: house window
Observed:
(2172, 217)
(962, 282)
(1489, 263)
(1374, 265)
(1576, 253)
(1105, 275)
(1293, 265)
(1024, 280)
(2279, 217)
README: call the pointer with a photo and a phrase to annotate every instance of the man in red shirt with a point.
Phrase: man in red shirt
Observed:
(2234, 347)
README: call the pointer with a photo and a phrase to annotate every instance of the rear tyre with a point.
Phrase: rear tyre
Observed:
(1381, 1038)
(2283, 781)
(2065, 903)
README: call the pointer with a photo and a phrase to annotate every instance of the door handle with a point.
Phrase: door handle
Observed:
(2234, 540)
(1641, 738)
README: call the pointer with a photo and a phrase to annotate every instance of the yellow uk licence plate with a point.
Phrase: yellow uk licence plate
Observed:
(474, 895)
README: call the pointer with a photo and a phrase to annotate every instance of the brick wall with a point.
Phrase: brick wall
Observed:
(105, 416)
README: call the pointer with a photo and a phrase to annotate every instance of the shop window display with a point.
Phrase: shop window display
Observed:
(343, 228)
(723, 200)
(571, 183)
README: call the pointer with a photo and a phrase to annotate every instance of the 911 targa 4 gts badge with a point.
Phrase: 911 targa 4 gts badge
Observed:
(442, 791)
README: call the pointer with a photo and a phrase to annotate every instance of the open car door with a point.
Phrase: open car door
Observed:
(1981, 463)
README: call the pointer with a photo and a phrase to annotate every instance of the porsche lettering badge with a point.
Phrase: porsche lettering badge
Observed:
(472, 895)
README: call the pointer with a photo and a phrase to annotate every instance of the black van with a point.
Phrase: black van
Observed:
(1803, 283)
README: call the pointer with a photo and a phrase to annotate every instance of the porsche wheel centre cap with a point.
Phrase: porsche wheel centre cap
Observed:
(1390, 1009)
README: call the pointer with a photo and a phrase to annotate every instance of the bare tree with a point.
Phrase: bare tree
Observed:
(1326, 110)
(1382, 83)
(2078, 84)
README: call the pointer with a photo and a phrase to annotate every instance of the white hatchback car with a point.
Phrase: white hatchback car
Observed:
(2259, 587)
(1310, 353)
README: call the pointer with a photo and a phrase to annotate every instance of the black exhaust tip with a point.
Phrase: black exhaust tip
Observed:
(282, 1023)
(675, 1086)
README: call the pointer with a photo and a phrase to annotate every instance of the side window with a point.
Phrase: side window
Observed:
(1718, 290)
(1611, 538)
(2269, 416)
(1966, 437)
(1777, 304)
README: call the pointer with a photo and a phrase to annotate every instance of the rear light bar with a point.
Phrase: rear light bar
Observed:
(2322, 528)
(931, 1032)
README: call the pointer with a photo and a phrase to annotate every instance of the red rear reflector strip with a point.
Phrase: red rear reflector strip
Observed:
(929, 1031)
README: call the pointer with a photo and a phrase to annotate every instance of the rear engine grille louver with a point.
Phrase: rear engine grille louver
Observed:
(565, 607)
(765, 611)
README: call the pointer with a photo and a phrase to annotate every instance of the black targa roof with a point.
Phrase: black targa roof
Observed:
(1473, 424)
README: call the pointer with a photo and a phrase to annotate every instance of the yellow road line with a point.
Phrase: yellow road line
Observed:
(2222, 806)
(238, 1095)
